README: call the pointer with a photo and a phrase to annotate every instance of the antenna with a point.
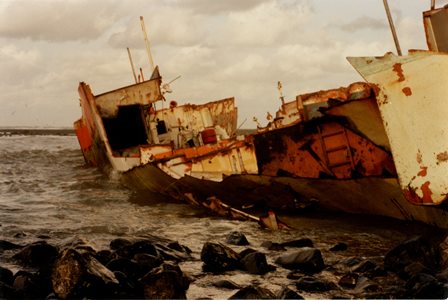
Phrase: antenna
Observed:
(392, 27)
(148, 48)
(132, 65)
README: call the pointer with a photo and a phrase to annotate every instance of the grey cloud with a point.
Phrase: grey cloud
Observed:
(363, 23)
(57, 20)
(217, 6)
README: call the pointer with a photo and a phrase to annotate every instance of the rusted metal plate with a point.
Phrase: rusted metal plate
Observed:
(145, 92)
(364, 118)
(436, 29)
(320, 150)
(411, 95)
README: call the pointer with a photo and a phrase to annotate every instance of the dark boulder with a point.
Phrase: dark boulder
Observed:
(364, 266)
(255, 263)
(306, 259)
(7, 291)
(339, 247)
(299, 243)
(414, 269)
(126, 266)
(178, 247)
(245, 252)
(147, 262)
(253, 292)
(77, 276)
(237, 238)
(273, 246)
(312, 284)
(30, 285)
(226, 284)
(5, 245)
(104, 256)
(349, 280)
(287, 293)
(165, 282)
(39, 255)
(219, 258)
(364, 285)
(127, 288)
(168, 253)
(417, 249)
(425, 286)
(141, 246)
(6, 276)
(119, 243)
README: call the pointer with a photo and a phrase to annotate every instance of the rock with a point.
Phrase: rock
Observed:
(171, 254)
(272, 246)
(443, 276)
(312, 284)
(147, 262)
(6, 276)
(126, 266)
(128, 289)
(178, 247)
(425, 286)
(104, 256)
(226, 284)
(245, 252)
(255, 263)
(306, 259)
(165, 282)
(237, 238)
(5, 245)
(39, 255)
(414, 269)
(287, 293)
(219, 258)
(253, 292)
(365, 285)
(141, 246)
(364, 266)
(339, 247)
(82, 276)
(417, 249)
(349, 280)
(300, 243)
(7, 291)
(119, 243)
(29, 286)
(294, 275)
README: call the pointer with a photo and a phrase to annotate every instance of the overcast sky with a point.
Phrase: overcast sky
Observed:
(221, 48)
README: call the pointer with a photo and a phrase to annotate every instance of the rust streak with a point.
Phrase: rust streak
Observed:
(397, 68)
(407, 91)
(443, 156)
(419, 157)
(426, 192)
(423, 171)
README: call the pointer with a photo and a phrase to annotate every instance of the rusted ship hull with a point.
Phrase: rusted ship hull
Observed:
(411, 98)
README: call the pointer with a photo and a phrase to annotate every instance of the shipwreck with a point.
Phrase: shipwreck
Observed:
(376, 147)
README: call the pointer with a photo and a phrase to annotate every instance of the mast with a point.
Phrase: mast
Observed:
(392, 27)
(148, 48)
(132, 65)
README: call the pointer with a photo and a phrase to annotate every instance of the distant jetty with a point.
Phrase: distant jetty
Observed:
(36, 131)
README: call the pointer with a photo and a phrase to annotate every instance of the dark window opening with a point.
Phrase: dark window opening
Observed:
(127, 129)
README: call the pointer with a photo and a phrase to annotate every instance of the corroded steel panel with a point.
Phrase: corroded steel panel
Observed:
(436, 29)
(412, 95)
(143, 93)
(320, 150)
(364, 117)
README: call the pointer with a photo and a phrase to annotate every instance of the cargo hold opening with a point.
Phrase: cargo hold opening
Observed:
(127, 129)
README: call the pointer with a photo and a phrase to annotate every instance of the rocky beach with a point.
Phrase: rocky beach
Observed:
(68, 231)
